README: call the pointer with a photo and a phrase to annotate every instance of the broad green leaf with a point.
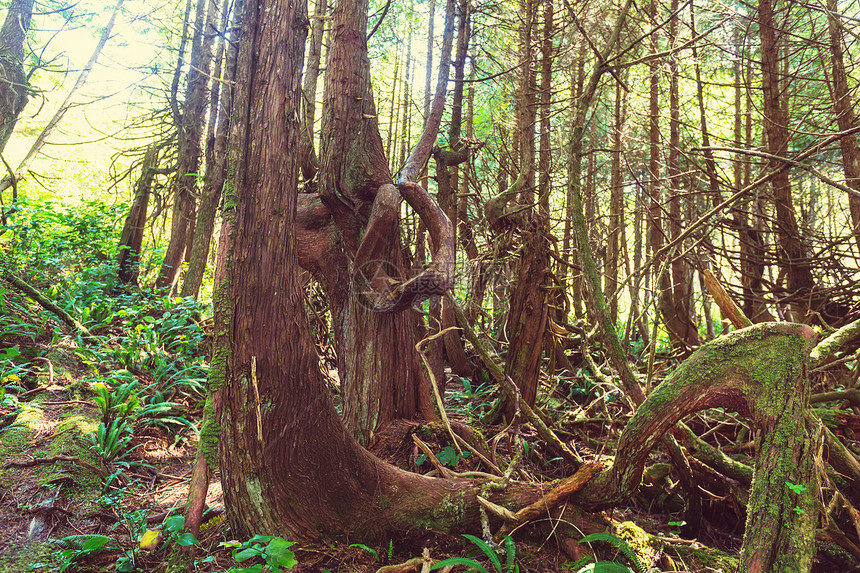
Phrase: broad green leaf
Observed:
(95, 542)
(279, 554)
(186, 539)
(174, 523)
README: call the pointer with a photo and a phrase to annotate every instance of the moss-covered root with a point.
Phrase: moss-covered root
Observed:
(760, 372)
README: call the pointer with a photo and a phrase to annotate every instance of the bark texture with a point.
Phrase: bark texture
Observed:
(288, 465)
(14, 87)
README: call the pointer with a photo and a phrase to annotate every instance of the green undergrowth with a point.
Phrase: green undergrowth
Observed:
(21, 558)
(700, 558)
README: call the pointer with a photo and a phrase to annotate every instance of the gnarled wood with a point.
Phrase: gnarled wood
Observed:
(759, 372)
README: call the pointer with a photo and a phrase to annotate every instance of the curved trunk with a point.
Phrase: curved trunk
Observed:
(288, 465)
(760, 372)
(381, 375)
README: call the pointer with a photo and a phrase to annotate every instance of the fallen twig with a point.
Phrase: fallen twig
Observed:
(52, 459)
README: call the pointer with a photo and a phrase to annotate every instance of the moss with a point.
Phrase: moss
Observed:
(69, 441)
(451, 509)
(209, 432)
(638, 540)
(21, 558)
(698, 558)
(14, 441)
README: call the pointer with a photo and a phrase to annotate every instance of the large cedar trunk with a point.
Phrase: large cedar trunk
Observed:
(384, 380)
(288, 465)
(381, 375)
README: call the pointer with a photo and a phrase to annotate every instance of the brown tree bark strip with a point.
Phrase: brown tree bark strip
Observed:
(725, 302)
(216, 150)
(131, 238)
(680, 322)
(845, 118)
(383, 378)
(793, 256)
(308, 159)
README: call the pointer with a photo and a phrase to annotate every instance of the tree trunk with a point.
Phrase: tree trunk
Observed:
(309, 160)
(680, 322)
(14, 87)
(792, 252)
(663, 284)
(760, 372)
(383, 378)
(288, 466)
(216, 153)
(616, 205)
(190, 150)
(845, 118)
(131, 238)
(447, 166)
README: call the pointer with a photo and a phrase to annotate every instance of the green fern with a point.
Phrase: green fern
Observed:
(489, 552)
(619, 544)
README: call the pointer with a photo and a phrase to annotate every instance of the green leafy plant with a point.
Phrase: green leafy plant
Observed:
(275, 551)
(80, 546)
(510, 565)
(677, 525)
(370, 550)
(448, 456)
(110, 441)
(796, 487)
(609, 566)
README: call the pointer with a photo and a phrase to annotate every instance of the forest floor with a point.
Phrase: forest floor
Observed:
(56, 494)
